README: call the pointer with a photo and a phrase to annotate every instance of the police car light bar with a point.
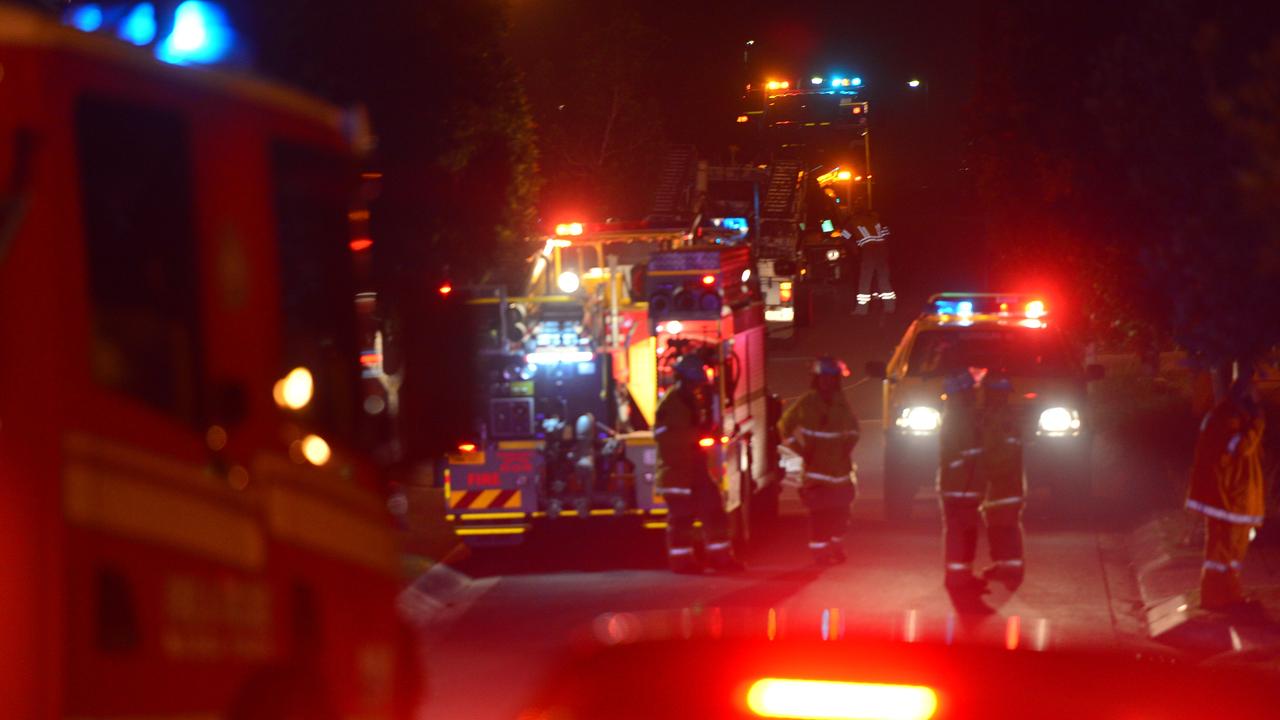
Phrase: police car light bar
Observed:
(966, 305)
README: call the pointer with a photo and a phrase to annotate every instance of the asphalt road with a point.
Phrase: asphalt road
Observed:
(527, 606)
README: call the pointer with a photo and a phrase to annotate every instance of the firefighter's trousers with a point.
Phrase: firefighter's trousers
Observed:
(875, 266)
(1225, 545)
(828, 505)
(701, 502)
(961, 523)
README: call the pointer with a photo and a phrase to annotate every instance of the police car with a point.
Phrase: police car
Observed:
(1010, 334)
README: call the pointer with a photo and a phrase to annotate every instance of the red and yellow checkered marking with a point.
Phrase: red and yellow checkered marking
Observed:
(485, 500)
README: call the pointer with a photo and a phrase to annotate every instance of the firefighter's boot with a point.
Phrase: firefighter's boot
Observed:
(682, 560)
(837, 550)
(720, 557)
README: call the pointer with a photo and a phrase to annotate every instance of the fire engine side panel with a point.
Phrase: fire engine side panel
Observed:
(750, 396)
(502, 479)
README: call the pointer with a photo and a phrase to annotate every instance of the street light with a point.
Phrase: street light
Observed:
(913, 83)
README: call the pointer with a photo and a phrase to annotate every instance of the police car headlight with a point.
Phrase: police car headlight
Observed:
(568, 282)
(1059, 421)
(919, 420)
(833, 255)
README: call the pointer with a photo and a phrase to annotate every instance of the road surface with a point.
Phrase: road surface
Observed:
(530, 603)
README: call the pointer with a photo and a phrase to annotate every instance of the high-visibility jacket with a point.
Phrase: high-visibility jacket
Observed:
(1226, 469)
(872, 233)
(981, 444)
(677, 430)
(827, 433)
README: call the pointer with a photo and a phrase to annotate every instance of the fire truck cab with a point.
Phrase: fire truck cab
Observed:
(191, 529)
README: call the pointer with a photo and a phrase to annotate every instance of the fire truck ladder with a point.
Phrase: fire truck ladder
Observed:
(672, 197)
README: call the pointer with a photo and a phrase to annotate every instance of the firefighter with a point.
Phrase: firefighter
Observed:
(981, 475)
(873, 241)
(1227, 488)
(684, 480)
(823, 430)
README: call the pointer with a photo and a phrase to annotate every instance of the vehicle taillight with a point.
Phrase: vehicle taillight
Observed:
(784, 290)
(467, 447)
(831, 700)
(706, 442)
(708, 279)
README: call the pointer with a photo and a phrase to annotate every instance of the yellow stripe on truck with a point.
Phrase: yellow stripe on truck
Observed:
(329, 529)
(109, 501)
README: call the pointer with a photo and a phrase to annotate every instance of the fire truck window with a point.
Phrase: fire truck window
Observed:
(117, 616)
(312, 192)
(135, 189)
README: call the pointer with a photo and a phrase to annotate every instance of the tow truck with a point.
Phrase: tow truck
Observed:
(1016, 333)
(571, 371)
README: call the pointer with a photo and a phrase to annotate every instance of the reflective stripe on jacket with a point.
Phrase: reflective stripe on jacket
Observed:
(826, 434)
(1226, 471)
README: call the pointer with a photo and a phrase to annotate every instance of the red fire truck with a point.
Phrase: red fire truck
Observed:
(188, 530)
(571, 371)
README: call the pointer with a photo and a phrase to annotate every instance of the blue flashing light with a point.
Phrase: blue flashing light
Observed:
(139, 26)
(735, 223)
(855, 81)
(201, 35)
(85, 17)
(837, 81)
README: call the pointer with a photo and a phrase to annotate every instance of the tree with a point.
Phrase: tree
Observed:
(457, 153)
(1132, 150)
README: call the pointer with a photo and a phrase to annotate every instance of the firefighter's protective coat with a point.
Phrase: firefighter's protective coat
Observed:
(827, 434)
(1226, 470)
(677, 429)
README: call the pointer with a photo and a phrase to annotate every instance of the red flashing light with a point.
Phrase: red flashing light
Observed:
(370, 359)
(784, 291)
(1031, 396)
(707, 442)
(724, 439)
(833, 700)
(708, 279)
(359, 244)
(446, 288)
(467, 447)
(1035, 309)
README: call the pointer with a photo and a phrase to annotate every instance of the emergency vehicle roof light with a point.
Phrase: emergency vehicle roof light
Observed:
(201, 35)
(570, 228)
(87, 18)
(139, 26)
(1035, 310)
(815, 80)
